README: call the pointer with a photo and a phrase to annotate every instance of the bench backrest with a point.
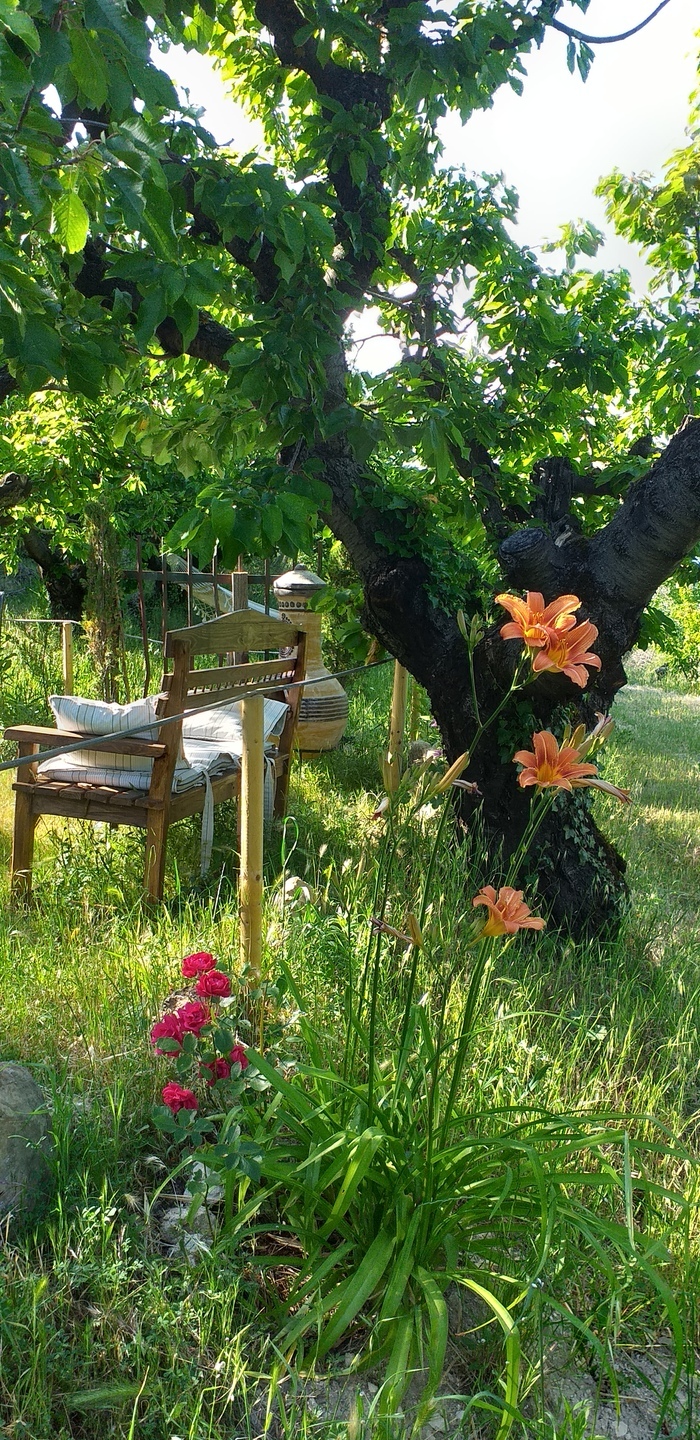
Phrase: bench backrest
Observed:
(187, 688)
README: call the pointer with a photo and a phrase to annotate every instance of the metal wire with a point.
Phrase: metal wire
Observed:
(171, 719)
(37, 620)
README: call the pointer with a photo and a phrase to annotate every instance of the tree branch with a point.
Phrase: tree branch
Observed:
(607, 39)
(657, 524)
(348, 87)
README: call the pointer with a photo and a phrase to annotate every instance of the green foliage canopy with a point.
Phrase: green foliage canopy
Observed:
(132, 246)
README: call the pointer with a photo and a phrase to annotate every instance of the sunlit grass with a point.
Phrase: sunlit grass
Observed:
(85, 971)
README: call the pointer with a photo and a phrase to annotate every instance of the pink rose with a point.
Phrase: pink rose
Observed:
(218, 1070)
(193, 1016)
(197, 964)
(176, 1097)
(215, 983)
(169, 1028)
(239, 1057)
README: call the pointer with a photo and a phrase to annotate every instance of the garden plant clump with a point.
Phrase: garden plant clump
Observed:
(389, 1185)
(106, 1333)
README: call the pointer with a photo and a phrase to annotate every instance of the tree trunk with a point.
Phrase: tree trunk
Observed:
(65, 579)
(615, 573)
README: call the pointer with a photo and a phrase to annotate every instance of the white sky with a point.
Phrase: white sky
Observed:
(556, 140)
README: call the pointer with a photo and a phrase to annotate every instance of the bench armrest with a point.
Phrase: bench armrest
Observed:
(44, 735)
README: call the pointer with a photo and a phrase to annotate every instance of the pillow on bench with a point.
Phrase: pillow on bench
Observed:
(102, 717)
(222, 728)
(225, 725)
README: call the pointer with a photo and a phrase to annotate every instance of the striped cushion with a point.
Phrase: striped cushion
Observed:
(225, 725)
(100, 717)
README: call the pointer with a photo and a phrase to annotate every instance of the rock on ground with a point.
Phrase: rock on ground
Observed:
(25, 1145)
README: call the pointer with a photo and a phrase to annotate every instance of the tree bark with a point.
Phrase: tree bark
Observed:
(65, 579)
(615, 573)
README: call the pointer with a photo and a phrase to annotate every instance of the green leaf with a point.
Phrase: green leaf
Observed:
(358, 166)
(355, 1291)
(88, 66)
(364, 1152)
(242, 356)
(41, 345)
(272, 524)
(437, 1338)
(71, 221)
(84, 371)
(157, 220)
(296, 507)
(401, 1271)
(511, 1332)
(19, 23)
(398, 1371)
(151, 311)
(130, 192)
(293, 232)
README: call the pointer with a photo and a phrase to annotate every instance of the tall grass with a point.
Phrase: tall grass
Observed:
(91, 1303)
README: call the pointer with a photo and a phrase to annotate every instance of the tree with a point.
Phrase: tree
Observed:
(515, 423)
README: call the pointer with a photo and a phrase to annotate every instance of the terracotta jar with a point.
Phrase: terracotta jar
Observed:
(323, 712)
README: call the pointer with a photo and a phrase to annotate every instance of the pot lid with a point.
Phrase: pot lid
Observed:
(298, 581)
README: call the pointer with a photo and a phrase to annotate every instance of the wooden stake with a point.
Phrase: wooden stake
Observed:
(414, 721)
(250, 887)
(189, 588)
(67, 656)
(397, 728)
(142, 618)
(164, 601)
(239, 600)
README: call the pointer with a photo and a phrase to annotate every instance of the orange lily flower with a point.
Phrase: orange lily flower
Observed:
(508, 912)
(532, 619)
(565, 652)
(549, 767)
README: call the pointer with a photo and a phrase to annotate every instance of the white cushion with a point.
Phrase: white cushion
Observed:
(226, 727)
(101, 717)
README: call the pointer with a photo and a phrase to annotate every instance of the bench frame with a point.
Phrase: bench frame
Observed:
(182, 688)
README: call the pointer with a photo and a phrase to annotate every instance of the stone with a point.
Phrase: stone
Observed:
(25, 1146)
(174, 1224)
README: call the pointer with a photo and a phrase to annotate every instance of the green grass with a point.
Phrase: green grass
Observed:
(89, 1303)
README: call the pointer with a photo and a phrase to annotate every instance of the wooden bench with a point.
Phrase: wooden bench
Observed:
(184, 688)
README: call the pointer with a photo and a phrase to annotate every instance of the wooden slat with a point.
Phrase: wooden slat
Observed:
(72, 808)
(229, 695)
(102, 794)
(45, 735)
(241, 630)
(259, 672)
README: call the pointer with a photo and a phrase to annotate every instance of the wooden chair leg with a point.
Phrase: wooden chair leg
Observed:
(282, 790)
(154, 871)
(22, 847)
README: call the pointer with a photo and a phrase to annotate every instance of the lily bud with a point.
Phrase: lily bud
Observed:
(452, 774)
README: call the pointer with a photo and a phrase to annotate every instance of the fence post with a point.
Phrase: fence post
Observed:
(239, 601)
(250, 888)
(67, 655)
(397, 727)
(142, 617)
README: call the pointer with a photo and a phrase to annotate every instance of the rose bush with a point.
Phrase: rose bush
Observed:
(204, 1046)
